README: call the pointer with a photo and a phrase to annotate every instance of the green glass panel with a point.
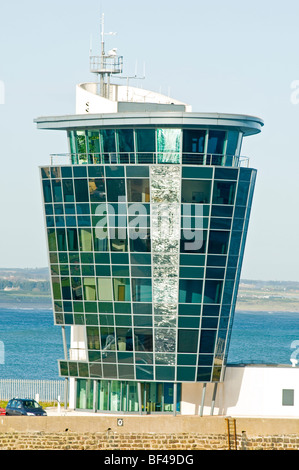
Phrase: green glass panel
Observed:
(121, 288)
(169, 145)
(52, 240)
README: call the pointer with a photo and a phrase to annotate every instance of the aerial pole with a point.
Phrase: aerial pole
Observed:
(105, 65)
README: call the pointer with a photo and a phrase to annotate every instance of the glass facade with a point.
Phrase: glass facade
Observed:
(146, 232)
(155, 146)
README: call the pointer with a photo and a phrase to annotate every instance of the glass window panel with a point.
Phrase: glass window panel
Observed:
(97, 190)
(187, 359)
(235, 243)
(142, 309)
(141, 271)
(216, 142)
(204, 374)
(210, 310)
(216, 261)
(192, 260)
(137, 171)
(207, 341)
(50, 221)
(57, 190)
(106, 307)
(49, 209)
(193, 242)
(169, 145)
(214, 273)
(141, 290)
(191, 272)
(115, 189)
(145, 140)
(197, 172)
(138, 190)
(80, 171)
(93, 142)
(218, 223)
(114, 171)
(124, 339)
(93, 337)
(188, 309)
(185, 374)
(45, 172)
(80, 142)
(209, 322)
(140, 258)
(107, 339)
(68, 190)
(104, 289)
(196, 191)
(122, 308)
(190, 291)
(142, 243)
(224, 192)
(65, 288)
(242, 193)
(245, 174)
(100, 240)
(226, 173)
(194, 140)
(72, 238)
(213, 291)
(96, 171)
(121, 270)
(89, 288)
(56, 288)
(103, 270)
(117, 243)
(222, 211)
(61, 240)
(146, 145)
(143, 338)
(121, 288)
(81, 190)
(218, 242)
(188, 322)
(85, 239)
(47, 191)
(77, 288)
(232, 142)
(125, 140)
(187, 341)
(108, 139)
(82, 208)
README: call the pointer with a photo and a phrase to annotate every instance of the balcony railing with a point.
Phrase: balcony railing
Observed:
(149, 158)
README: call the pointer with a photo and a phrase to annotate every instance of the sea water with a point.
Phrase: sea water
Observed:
(32, 344)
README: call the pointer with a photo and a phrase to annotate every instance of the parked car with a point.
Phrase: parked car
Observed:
(2, 411)
(24, 407)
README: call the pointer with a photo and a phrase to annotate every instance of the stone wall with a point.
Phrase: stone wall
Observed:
(147, 441)
(176, 434)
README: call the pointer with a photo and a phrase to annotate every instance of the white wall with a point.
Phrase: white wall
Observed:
(246, 391)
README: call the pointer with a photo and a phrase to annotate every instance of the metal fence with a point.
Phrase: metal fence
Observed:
(47, 390)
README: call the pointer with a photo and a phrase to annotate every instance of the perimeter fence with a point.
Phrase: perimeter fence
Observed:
(46, 390)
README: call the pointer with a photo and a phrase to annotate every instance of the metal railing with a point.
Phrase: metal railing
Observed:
(149, 158)
(47, 390)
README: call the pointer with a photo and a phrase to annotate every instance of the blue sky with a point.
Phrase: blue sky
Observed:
(232, 56)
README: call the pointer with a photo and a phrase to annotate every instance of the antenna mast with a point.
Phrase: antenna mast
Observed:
(105, 65)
